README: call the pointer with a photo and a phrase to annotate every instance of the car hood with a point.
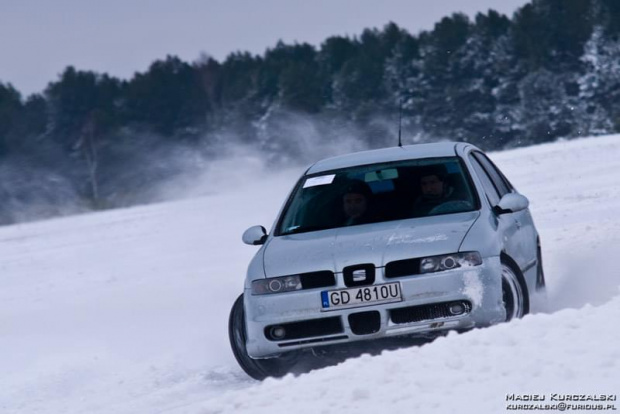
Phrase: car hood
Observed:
(377, 243)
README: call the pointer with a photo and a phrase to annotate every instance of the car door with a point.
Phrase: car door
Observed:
(512, 227)
(526, 232)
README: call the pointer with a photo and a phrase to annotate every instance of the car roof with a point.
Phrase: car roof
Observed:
(406, 152)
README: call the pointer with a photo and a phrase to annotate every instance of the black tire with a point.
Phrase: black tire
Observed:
(540, 273)
(515, 295)
(258, 369)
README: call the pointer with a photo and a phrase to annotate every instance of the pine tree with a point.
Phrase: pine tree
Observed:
(597, 84)
(547, 112)
(439, 86)
(10, 109)
(168, 99)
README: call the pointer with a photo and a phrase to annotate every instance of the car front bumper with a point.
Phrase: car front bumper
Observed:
(422, 311)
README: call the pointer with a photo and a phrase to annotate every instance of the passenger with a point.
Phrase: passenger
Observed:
(356, 200)
(434, 190)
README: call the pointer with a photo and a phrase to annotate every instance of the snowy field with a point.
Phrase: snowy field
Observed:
(126, 311)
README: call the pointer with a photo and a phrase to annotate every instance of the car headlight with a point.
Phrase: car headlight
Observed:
(276, 285)
(449, 261)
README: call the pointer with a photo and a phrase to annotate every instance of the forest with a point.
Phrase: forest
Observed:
(92, 141)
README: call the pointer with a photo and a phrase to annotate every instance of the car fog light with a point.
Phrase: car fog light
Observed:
(457, 309)
(278, 332)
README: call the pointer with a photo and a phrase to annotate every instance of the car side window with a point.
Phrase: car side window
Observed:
(502, 185)
(487, 183)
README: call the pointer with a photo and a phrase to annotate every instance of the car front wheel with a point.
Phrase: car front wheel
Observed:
(256, 368)
(514, 293)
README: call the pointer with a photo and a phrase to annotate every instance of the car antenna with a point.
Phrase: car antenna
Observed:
(400, 118)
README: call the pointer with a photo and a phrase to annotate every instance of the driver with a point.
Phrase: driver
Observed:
(355, 203)
(434, 189)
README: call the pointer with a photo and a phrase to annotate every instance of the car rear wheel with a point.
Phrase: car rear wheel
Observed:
(540, 274)
(514, 294)
(256, 368)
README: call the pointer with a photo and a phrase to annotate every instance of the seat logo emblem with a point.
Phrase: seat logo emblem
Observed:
(359, 275)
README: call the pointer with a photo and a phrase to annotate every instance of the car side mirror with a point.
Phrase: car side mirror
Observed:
(254, 236)
(511, 203)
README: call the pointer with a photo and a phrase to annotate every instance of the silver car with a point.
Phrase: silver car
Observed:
(398, 242)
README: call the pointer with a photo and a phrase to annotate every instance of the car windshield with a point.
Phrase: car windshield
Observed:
(376, 193)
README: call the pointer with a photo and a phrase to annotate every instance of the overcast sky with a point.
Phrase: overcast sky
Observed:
(39, 38)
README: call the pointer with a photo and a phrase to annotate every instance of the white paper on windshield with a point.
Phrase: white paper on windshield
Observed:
(321, 180)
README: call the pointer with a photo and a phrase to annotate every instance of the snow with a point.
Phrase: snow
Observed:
(126, 311)
(473, 286)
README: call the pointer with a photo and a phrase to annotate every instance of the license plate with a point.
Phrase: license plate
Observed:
(361, 296)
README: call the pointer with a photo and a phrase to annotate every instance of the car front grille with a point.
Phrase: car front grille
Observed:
(365, 323)
(401, 268)
(319, 279)
(429, 312)
(359, 275)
